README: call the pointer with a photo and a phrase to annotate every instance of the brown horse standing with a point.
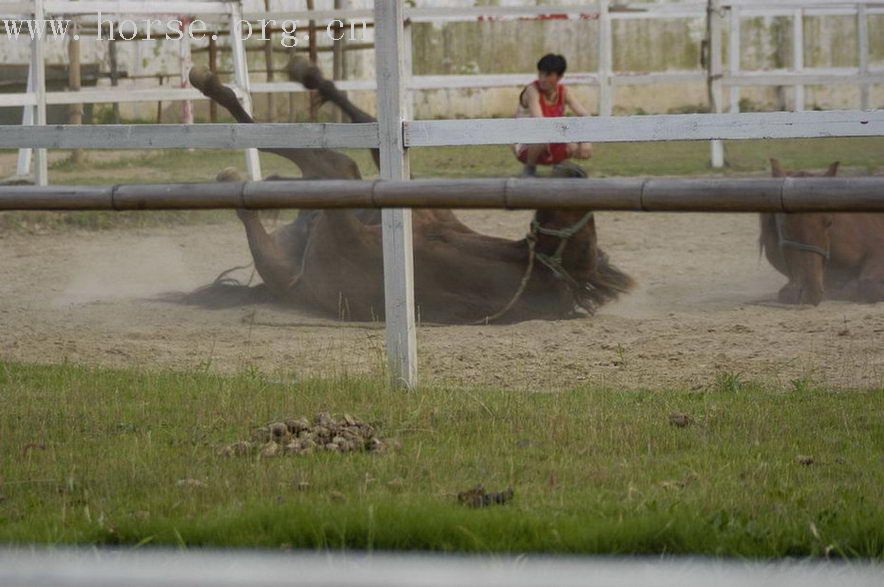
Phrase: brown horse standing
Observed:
(825, 255)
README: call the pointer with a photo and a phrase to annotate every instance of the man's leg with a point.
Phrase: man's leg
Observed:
(530, 155)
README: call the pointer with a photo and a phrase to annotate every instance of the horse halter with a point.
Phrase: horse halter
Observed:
(779, 219)
(553, 262)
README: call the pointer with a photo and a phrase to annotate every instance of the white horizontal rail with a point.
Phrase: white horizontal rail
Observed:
(794, 4)
(135, 7)
(9, 100)
(175, 136)
(233, 568)
(749, 8)
(669, 127)
(442, 82)
(434, 133)
(804, 77)
(585, 11)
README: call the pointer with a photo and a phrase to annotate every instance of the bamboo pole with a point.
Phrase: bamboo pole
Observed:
(75, 111)
(114, 75)
(311, 43)
(213, 67)
(268, 63)
(811, 194)
(339, 56)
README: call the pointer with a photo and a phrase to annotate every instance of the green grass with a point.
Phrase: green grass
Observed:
(612, 159)
(94, 456)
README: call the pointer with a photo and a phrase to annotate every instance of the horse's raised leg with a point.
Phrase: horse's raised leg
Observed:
(320, 163)
(277, 269)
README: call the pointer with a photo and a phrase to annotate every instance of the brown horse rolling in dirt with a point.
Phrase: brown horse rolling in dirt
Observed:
(825, 255)
(331, 260)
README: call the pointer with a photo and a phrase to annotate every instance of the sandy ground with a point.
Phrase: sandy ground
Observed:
(704, 307)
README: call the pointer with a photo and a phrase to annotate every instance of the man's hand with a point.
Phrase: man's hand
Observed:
(575, 106)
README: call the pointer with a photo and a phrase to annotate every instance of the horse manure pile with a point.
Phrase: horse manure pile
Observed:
(301, 437)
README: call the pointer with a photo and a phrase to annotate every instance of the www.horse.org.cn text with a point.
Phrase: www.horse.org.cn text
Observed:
(155, 29)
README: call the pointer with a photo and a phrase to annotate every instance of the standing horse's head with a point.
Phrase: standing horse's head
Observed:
(804, 243)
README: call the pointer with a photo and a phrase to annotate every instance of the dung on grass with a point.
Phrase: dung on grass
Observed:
(300, 437)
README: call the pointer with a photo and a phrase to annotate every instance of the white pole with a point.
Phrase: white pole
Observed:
(241, 76)
(714, 24)
(733, 58)
(408, 69)
(396, 223)
(798, 55)
(605, 58)
(24, 155)
(38, 66)
(862, 26)
(185, 63)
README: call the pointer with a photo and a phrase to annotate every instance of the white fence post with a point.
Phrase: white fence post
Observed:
(24, 155)
(241, 75)
(396, 223)
(862, 27)
(185, 63)
(605, 58)
(38, 65)
(408, 68)
(733, 58)
(798, 55)
(713, 14)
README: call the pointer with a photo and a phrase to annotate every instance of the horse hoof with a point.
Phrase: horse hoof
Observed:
(304, 72)
(201, 77)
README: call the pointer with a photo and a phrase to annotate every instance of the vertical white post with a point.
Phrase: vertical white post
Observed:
(185, 63)
(798, 55)
(24, 155)
(862, 27)
(241, 75)
(733, 58)
(605, 58)
(713, 13)
(390, 59)
(408, 68)
(38, 66)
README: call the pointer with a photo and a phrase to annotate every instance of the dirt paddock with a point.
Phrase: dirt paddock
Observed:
(704, 306)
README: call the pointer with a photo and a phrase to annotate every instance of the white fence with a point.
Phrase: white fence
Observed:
(395, 133)
(198, 568)
(229, 13)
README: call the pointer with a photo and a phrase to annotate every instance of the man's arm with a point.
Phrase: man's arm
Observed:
(575, 105)
(532, 97)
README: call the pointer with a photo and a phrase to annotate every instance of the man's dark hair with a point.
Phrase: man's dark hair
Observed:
(552, 63)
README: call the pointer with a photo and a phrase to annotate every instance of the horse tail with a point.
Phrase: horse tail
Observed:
(607, 282)
(223, 292)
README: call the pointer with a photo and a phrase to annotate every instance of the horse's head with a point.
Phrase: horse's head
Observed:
(566, 241)
(804, 243)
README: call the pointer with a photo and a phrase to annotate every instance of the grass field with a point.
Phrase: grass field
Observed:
(858, 156)
(126, 457)
(92, 455)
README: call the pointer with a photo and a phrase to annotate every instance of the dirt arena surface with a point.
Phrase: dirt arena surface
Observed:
(704, 307)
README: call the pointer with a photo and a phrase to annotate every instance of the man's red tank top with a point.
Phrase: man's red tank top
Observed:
(552, 110)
